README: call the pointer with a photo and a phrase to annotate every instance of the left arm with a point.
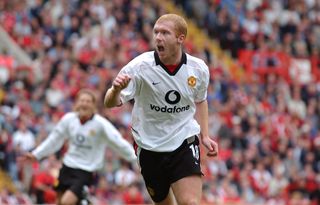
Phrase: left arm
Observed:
(202, 118)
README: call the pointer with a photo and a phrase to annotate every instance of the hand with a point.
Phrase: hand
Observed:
(121, 82)
(27, 157)
(211, 146)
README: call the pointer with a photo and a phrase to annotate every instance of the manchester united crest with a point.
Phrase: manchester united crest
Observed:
(192, 81)
(92, 133)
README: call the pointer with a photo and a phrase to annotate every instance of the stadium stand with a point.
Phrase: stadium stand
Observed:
(263, 101)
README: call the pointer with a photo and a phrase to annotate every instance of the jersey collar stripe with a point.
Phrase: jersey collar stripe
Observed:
(158, 62)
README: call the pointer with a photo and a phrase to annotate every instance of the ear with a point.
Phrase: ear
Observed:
(181, 38)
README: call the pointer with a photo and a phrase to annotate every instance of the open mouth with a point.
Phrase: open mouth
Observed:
(83, 109)
(160, 48)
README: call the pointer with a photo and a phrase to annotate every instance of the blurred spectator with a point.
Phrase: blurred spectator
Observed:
(124, 176)
(43, 181)
(132, 195)
(23, 138)
(13, 198)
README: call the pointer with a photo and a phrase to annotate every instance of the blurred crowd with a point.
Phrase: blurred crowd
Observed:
(267, 128)
(292, 26)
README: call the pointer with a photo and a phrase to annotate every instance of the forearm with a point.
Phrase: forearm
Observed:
(52, 144)
(202, 118)
(112, 98)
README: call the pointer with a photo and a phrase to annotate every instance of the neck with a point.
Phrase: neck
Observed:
(173, 59)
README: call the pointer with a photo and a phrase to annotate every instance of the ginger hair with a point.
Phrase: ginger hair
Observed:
(180, 24)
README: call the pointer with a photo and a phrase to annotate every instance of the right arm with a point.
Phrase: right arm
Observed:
(50, 145)
(112, 96)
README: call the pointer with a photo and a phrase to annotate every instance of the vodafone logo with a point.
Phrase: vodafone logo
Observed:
(80, 139)
(172, 97)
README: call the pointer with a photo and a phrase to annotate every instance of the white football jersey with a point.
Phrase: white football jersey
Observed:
(164, 108)
(87, 142)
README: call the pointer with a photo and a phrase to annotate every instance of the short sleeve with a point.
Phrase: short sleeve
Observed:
(204, 83)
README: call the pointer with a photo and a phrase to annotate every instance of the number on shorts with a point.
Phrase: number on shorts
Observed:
(195, 151)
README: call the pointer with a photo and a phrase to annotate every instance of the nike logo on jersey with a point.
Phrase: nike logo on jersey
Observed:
(155, 83)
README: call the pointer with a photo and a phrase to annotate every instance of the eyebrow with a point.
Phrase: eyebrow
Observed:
(161, 29)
